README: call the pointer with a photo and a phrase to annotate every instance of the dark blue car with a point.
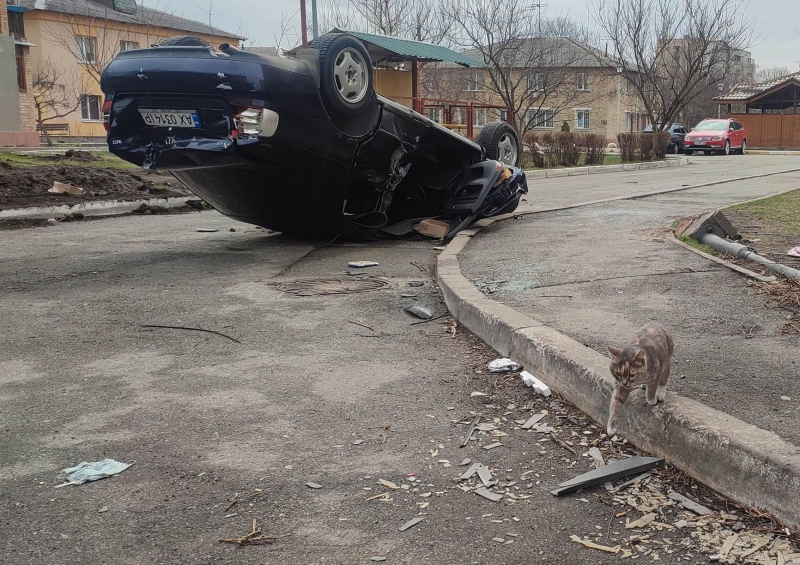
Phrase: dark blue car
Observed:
(302, 145)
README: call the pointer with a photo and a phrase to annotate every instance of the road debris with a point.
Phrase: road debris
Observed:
(362, 264)
(206, 230)
(86, 472)
(61, 188)
(313, 485)
(416, 284)
(377, 558)
(641, 522)
(611, 472)
(689, 504)
(595, 454)
(592, 545)
(388, 484)
(493, 445)
(535, 383)
(410, 524)
(255, 537)
(471, 429)
(192, 330)
(532, 420)
(487, 494)
(420, 311)
(357, 323)
(433, 228)
(504, 365)
(103, 509)
(794, 251)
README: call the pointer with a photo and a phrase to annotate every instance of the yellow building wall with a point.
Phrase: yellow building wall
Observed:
(52, 32)
(396, 85)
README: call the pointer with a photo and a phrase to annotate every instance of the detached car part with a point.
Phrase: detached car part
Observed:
(302, 145)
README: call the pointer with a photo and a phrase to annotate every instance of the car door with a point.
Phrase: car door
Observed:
(740, 133)
(736, 135)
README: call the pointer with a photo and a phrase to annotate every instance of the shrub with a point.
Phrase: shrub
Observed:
(565, 127)
(569, 148)
(594, 145)
(532, 149)
(628, 146)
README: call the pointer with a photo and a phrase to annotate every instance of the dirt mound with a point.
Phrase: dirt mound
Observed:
(21, 187)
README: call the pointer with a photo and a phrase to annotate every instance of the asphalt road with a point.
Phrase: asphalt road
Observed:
(306, 396)
(599, 272)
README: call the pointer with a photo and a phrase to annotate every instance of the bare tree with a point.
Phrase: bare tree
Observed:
(764, 74)
(57, 92)
(674, 51)
(94, 40)
(531, 62)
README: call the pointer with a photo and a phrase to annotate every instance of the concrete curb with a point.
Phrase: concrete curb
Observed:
(755, 467)
(771, 152)
(576, 171)
(101, 208)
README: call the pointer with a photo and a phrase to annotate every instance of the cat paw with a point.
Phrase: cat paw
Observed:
(652, 402)
(661, 395)
(612, 430)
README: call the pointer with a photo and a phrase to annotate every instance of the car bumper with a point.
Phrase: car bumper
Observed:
(713, 145)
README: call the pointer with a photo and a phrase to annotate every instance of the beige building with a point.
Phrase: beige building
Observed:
(72, 41)
(575, 84)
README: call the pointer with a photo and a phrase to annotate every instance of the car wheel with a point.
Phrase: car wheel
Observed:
(501, 143)
(707, 152)
(346, 79)
(727, 150)
(184, 41)
(743, 150)
(688, 152)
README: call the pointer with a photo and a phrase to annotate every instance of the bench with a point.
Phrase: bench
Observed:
(54, 129)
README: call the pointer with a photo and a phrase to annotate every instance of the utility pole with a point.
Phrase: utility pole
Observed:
(303, 23)
(314, 31)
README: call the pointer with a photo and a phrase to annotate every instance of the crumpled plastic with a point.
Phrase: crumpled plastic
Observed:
(504, 366)
(86, 472)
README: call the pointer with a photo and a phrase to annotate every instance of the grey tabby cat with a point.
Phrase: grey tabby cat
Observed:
(644, 363)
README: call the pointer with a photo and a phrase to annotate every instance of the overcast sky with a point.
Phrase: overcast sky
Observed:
(777, 21)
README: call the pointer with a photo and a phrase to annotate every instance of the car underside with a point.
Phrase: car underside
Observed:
(302, 145)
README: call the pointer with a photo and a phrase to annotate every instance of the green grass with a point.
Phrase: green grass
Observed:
(692, 242)
(105, 161)
(781, 212)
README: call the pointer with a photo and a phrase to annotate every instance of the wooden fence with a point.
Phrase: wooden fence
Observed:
(771, 130)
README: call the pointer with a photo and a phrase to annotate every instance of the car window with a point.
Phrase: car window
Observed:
(738, 125)
(711, 125)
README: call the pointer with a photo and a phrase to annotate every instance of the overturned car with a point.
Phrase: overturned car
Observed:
(304, 144)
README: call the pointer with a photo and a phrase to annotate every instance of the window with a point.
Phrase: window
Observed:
(473, 83)
(86, 48)
(583, 81)
(479, 117)
(628, 121)
(22, 80)
(536, 81)
(581, 118)
(16, 26)
(434, 114)
(90, 108)
(128, 45)
(543, 118)
(504, 115)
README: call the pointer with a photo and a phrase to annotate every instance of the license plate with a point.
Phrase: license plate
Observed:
(699, 142)
(175, 118)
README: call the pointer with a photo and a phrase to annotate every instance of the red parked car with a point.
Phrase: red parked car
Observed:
(710, 135)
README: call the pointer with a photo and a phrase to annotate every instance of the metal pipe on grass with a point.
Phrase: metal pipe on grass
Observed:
(744, 252)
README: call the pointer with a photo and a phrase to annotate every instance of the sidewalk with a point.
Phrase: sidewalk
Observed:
(597, 273)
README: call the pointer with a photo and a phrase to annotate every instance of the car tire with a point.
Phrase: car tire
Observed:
(346, 76)
(184, 41)
(743, 150)
(688, 152)
(501, 143)
(707, 152)
(727, 149)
